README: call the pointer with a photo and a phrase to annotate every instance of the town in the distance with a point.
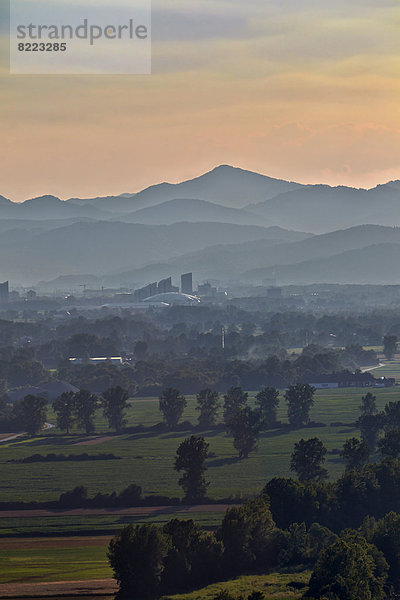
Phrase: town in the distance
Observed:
(199, 393)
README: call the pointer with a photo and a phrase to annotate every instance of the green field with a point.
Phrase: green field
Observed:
(35, 561)
(148, 455)
(280, 586)
(108, 524)
(66, 560)
(391, 368)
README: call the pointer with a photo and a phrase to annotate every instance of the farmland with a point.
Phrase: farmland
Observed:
(32, 553)
(390, 368)
(53, 560)
(81, 521)
(79, 566)
(147, 452)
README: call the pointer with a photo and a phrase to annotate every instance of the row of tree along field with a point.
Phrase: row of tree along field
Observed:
(244, 423)
(307, 459)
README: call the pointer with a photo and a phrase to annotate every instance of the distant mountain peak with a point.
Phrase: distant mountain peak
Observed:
(43, 200)
(230, 170)
(225, 167)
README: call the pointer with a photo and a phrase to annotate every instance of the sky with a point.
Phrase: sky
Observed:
(304, 90)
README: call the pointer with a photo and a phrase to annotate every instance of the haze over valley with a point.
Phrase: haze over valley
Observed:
(228, 224)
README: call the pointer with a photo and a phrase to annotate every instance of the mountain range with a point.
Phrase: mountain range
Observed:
(103, 247)
(227, 224)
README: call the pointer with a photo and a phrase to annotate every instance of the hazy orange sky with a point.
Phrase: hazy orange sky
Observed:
(305, 90)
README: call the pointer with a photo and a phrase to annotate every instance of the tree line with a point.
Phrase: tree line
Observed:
(71, 409)
(145, 375)
(308, 455)
(192, 373)
(149, 560)
(243, 422)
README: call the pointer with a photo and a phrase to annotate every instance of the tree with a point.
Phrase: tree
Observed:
(172, 405)
(64, 407)
(234, 398)
(306, 460)
(33, 413)
(206, 559)
(130, 496)
(355, 452)
(3, 387)
(190, 458)
(115, 401)
(369, 426)
(392, 415)
(286, 498)
(300, 399)
(75, 498)
(246, 533)
(141, 350)
(244, 427)
(349, 569)
(208, 405)
(267, 401)
(194, 558)
(386, 537)
(136, 555)
(358, 494)
(389, 445)
(368, 406)
(177, 565)
(86, 404)
(10, 419)
(319, 538)
(389, 346)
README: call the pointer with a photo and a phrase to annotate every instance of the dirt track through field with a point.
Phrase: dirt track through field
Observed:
(95, 441)
(134, 511)
(8, 437)
(97, 587)
(52, 543)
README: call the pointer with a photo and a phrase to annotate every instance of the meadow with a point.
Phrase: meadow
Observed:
(148, 452)
(36, 561)
(31, 563)
(390, 368)
(147, 455)
(55, 525)
(280, 585)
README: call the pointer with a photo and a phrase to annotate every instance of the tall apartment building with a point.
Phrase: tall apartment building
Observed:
(187, 283)
(4, 292)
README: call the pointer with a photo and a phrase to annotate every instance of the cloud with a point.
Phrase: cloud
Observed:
(193, 25)
(250, 38)
(300, 89)
(341, 154)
